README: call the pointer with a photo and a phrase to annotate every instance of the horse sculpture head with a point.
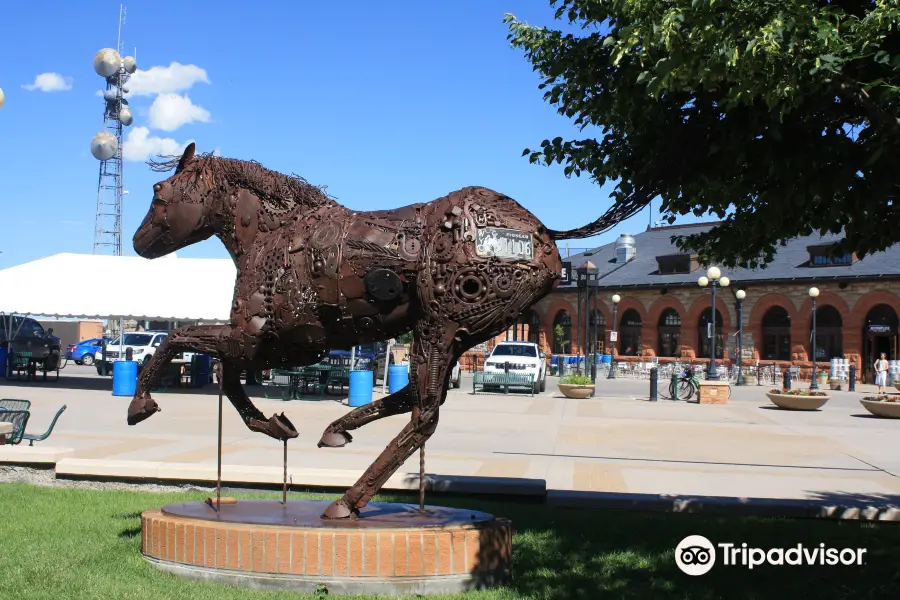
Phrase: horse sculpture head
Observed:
(180, 213)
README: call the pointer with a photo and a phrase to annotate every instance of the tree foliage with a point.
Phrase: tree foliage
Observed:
(778, 116)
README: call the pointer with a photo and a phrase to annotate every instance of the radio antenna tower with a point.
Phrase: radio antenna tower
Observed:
(107, 144)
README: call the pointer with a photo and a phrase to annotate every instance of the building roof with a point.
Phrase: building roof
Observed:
(791, 262)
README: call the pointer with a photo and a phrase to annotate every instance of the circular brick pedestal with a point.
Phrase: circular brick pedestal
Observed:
(390, 549)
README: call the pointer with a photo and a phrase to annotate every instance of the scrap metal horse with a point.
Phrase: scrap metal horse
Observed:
(313, 275)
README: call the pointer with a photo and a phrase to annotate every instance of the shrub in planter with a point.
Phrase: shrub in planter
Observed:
(576, 386)
(799, 399)
(882, 405)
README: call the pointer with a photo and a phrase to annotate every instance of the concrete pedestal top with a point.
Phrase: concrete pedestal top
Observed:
(5, 427)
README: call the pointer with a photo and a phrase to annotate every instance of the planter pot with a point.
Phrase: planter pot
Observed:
(836, 384)
(576, 391)
(790, 402)
(748, 380)
(886, 410)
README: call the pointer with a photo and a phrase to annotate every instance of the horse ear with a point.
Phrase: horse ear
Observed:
(185, 158)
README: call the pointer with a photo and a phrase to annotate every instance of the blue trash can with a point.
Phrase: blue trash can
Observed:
(4, 356)
(124, 374)
(398, 377)
(361, 383)
(200, 368)
(607, 358)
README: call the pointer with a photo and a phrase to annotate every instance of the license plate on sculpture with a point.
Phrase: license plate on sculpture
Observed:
(503, 243)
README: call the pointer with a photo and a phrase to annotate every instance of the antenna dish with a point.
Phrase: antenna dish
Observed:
(130, 65)
(125, 116)
(107, 62)
(104, 145)
(110, 95)
(125, 90)
(2, 98)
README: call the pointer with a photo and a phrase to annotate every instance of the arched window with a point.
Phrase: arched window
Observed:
(630, 333)
(534, 328)
(703, 332)
(562, 333)
(597, 324)
(669, 333)
(829, 337)
(776, 326)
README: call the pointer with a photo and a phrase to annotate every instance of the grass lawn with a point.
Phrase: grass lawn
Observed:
(63, 544)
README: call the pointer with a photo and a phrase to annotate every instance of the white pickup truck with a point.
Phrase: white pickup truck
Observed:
(524, 358)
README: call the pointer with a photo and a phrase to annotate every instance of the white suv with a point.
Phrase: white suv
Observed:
(143, 346)
(524, 358)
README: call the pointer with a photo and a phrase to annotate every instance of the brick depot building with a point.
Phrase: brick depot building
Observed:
(664, 313)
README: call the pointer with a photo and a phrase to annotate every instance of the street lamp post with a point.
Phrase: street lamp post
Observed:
(582, 275)
(592, 283)
(713, 279)
(613, 342)
(741, 294)
(813, 293)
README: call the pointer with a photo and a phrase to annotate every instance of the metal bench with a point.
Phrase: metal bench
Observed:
(32, 438)
(14, 404)
(18, 418)
(504, 380)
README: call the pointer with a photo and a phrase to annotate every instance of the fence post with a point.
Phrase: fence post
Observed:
(674, 385)
(654, 384)
(851, 385)
(787, 379)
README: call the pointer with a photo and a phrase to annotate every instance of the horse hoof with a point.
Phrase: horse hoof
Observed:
(338, 510)
(335, 439)
(141, 408)
(278, 427)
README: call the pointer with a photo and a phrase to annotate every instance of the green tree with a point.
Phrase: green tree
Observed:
(778, 116)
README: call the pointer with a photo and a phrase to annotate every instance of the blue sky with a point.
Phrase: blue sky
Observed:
(386, 105)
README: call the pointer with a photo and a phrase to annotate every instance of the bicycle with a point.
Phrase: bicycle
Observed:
(686, 385)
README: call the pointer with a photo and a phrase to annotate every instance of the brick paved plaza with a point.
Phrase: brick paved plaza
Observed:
(617, 442)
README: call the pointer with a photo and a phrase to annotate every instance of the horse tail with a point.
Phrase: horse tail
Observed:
(612, 217)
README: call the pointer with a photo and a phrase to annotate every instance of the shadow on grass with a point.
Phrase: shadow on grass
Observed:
(565, 554)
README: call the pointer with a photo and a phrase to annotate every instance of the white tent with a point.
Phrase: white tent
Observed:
(113, 287)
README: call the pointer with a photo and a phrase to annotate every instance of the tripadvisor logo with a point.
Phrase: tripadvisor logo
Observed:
(696, 555)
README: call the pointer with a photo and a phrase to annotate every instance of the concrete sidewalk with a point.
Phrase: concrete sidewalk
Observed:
(621, 447)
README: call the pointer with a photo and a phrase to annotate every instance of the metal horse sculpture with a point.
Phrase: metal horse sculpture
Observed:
(313, 275)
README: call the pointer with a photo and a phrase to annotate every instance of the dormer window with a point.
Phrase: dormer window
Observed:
(676, 264)
(825, 256)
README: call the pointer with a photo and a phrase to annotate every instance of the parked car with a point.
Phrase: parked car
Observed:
(83, 352)
(524, 358)
(143, 345)
(25, 336)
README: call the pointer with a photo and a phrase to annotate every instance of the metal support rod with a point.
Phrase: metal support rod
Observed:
(812, 384)
(422, 478)
(219, 454)
(284, 488)
(594, 326)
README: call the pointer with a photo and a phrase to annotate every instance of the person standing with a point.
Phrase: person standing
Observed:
(881, 370)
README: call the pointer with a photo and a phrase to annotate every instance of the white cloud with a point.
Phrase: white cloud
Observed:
(171, 111)
(49, 82)
(140, 145)
(165, 80)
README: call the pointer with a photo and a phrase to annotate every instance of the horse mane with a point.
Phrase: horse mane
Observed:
(278, 190)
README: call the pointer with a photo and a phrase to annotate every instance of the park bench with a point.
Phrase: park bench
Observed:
(505, 380)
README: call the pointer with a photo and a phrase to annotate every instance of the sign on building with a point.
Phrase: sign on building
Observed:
(566, 273)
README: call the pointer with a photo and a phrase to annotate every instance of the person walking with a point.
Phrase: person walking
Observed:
(881, 370)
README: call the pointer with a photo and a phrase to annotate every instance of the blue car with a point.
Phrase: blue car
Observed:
(83, 352)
